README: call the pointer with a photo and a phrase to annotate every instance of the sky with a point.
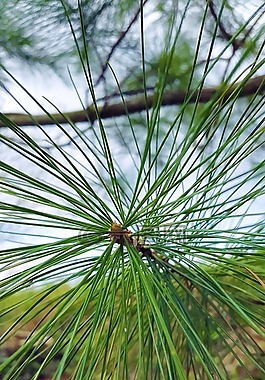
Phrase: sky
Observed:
(46, 84)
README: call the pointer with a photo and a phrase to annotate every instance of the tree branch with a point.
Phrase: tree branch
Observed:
(138, 104)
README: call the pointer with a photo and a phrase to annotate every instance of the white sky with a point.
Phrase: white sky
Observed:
(49, 85)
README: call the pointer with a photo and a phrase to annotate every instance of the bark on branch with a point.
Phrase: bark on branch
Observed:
(138, 104)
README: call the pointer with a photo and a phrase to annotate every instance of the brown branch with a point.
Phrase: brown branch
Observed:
(138, 104)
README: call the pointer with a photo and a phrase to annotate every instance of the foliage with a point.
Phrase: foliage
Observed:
(147, 243)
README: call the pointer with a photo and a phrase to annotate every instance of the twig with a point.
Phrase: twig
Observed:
(236, 43)
(117, 43)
